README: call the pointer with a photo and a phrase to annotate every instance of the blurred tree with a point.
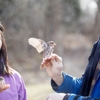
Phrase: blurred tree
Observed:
(53, 16)
(67, 11)
(71, 11)
(3, 5)
(96, 30)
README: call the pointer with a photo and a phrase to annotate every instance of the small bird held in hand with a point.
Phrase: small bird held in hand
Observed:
(42, 46)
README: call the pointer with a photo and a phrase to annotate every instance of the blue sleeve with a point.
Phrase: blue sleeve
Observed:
(78, 97)
(69, 85)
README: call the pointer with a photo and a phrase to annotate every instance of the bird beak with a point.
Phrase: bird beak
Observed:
(54, 44)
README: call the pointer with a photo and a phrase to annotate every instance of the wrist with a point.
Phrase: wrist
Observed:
(58, 79)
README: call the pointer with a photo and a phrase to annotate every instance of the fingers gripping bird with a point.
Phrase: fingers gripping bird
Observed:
(46, 48)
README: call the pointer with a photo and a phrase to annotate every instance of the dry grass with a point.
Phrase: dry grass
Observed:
(38, 91)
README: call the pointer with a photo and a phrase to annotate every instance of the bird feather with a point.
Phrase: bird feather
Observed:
(36, 43)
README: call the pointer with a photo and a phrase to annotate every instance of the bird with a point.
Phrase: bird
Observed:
(40, 45)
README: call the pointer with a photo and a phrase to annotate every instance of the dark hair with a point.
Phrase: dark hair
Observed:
(4, 66)
(93, 59)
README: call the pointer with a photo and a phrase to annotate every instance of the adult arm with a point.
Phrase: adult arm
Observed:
(69, 85)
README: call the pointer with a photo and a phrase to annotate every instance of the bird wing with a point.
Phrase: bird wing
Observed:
(37, 43)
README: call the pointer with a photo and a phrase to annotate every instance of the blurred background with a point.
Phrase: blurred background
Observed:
(72, 24)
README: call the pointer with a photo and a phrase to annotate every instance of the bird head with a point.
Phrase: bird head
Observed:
(51, 43)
